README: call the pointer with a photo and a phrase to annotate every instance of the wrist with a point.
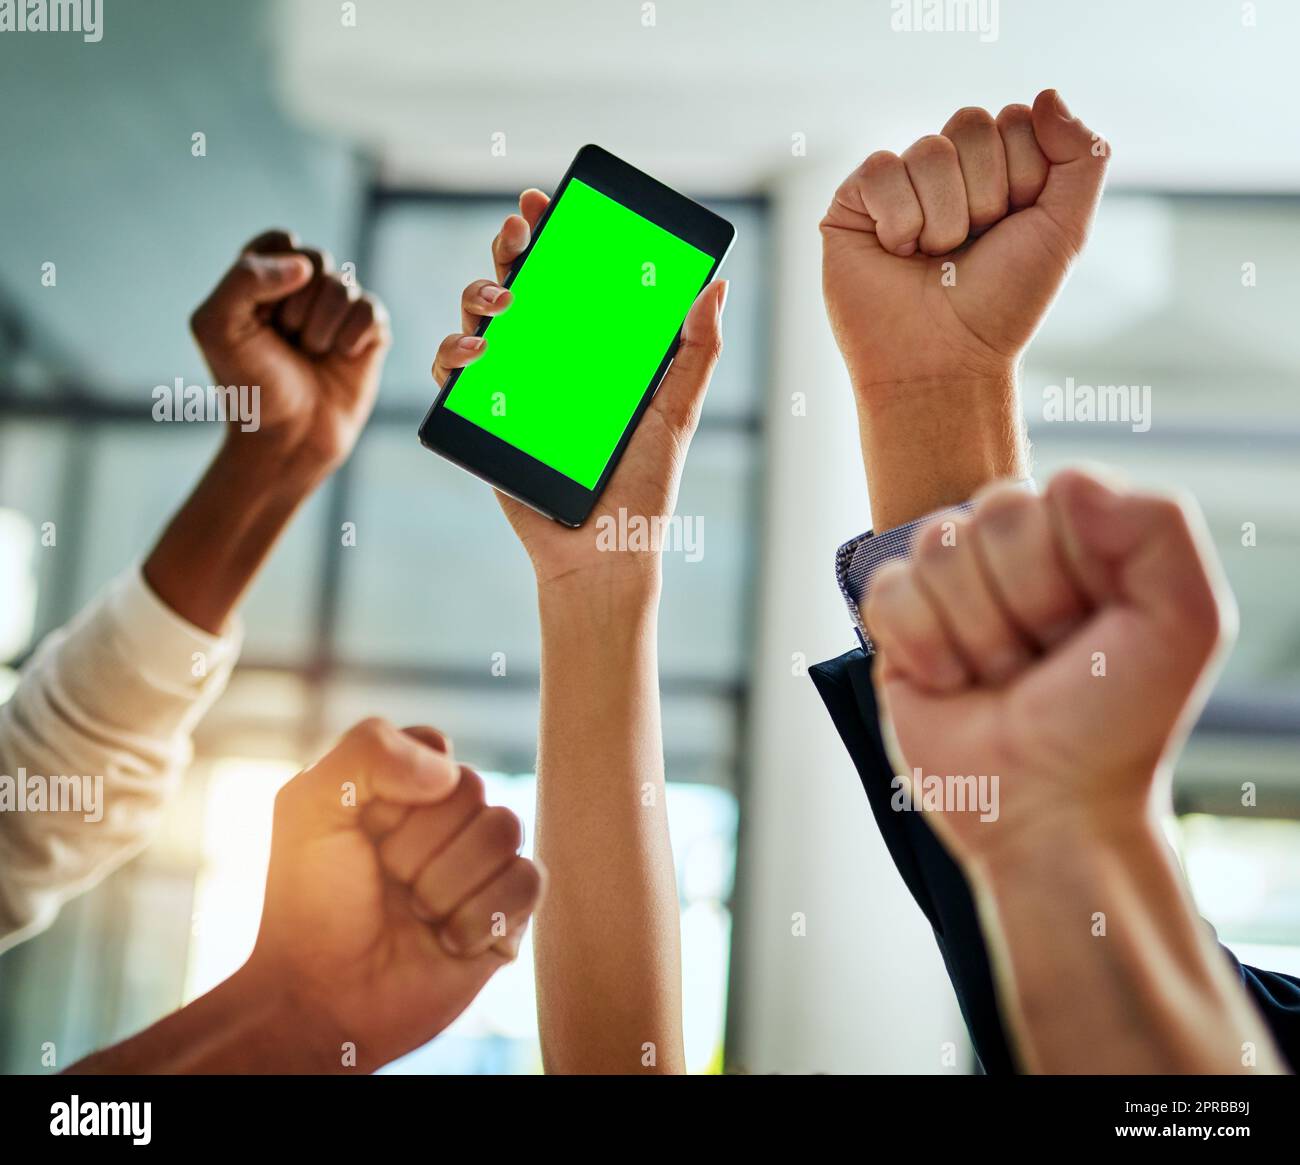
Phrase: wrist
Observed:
(214, 545)
(930, 441)
(266, 465)
(883, 385)
(1093, 909)
(1083, 837)
(602, 596)
(281, 1031)
(244, 1025)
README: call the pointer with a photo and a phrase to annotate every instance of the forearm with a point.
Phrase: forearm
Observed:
(211, 550)
(99, 729)
(1103, 965)
(239, 1027)
(608, 934)
(932, 443)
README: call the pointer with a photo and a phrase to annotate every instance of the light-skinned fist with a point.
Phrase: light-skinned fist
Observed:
(394, 893)
(939, 263)
(1062, 644)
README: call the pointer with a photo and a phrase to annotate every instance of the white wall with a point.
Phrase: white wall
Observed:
(708, 94)
(865, 989)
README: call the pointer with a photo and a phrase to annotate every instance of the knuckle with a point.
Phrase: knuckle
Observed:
(460, 929)
(374, 732)
(527, 879)
(1214, 617)
(501, 828)
(908, 224)
(1197, 608)
(286, 797)
(1068, 481)
(984, 211)
(201, 322)
(393, 857)
(926, 653)
(938, 242)
(932, 550)
(879, 162)
(887, 590)
(436, 734)
(333, 290)
(1171, 513)
(1170, 517)
(430, 894)
(932, 146)
(876, 606)
(684, 419)
(1001, 509)
(969, 117)
(471, 786)
(1014, 114)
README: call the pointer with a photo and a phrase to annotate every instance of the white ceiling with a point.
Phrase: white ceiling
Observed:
(1189, 95)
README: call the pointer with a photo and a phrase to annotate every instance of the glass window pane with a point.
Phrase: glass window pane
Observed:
(1246, 882)
(1175, 293)
(1248, 498)
(34, 462)
(494, 724)
(424, 255)
(138, 475)
(438, 579)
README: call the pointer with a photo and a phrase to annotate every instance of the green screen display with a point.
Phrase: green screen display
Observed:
(596, 305)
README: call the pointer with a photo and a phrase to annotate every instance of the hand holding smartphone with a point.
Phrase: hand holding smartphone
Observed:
(616, 260)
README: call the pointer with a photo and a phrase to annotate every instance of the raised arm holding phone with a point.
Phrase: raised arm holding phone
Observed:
(608, 948)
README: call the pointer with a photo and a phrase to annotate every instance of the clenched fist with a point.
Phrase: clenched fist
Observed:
(1006, 201)
(1061, 644)
(938, 266)
(378, 940)
(282, 318)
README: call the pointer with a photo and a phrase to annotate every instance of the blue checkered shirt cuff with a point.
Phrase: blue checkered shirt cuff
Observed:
(858, 560)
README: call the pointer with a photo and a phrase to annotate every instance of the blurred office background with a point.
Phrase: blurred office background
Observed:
(376, 141)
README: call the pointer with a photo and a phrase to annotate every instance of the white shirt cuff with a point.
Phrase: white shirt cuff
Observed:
(168, 650)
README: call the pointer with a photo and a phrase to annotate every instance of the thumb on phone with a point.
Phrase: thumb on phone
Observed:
(681, 395)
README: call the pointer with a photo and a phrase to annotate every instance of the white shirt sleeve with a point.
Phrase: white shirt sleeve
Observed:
(93, 739)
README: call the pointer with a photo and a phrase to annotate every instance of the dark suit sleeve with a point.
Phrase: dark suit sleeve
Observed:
(929, 873)
(940, 889)
(1278, 997)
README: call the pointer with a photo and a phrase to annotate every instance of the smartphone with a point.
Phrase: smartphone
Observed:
(600, 295)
